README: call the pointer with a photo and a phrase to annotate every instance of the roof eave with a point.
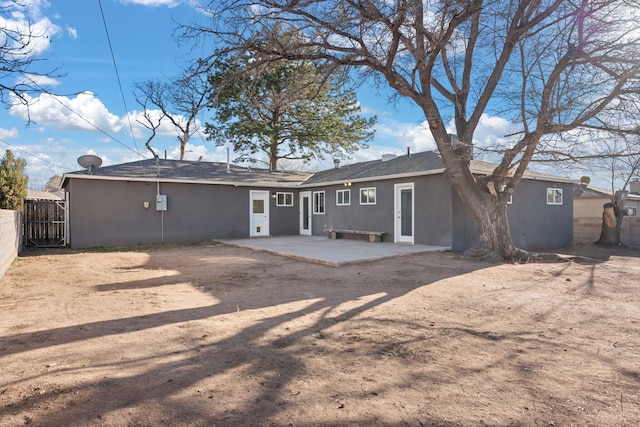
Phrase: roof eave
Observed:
(375, 178)
(180, 181)
(299, 184)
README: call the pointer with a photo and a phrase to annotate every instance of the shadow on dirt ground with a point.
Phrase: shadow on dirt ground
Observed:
(211, 335)
(594, 253)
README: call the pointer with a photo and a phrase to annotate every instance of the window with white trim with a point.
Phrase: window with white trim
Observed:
(554, 196)
(368, 196)
(631, 211)
(318, 202)
(343, 197)
(284, 199)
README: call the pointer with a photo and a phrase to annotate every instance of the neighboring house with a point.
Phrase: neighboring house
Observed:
(409, 198)
(588, 205)
(589, 201)
(44, 195)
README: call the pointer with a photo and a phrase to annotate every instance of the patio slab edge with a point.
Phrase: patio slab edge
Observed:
(331, 263)
(280, 253)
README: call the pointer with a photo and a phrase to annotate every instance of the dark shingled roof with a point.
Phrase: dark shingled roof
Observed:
(216, 173)
(179, 170)
(584, 192)
(416, 163)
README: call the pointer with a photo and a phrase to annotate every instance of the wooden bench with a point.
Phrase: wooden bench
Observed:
(374, 236)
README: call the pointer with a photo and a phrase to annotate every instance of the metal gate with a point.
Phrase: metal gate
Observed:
(45, 223)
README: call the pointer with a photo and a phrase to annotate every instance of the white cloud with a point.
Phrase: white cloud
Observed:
(72, 32)
(166, 133)
(492, 130)
(84, 112)
(415, 136)
(26, 22)
(394, 137)
(44, 161)
(105, 160)
(136, 118)
(8, 133)
(195, 152)
(33, 80)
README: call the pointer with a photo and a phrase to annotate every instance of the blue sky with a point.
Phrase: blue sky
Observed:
(89, 116)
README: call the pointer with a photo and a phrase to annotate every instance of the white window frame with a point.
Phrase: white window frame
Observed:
(342, 202)
(287, 199)
(552, 194)
(368, 201)
(318, 205)
(631, 211)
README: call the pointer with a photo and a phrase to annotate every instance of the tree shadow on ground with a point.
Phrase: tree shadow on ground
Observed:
(314, 293)
(283, 318)
(590, 253)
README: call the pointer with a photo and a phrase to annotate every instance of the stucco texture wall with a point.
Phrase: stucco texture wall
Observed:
(592, 208)
(10, 238)
(113, 213)
(588, 208)
(534, 224)
(432, 210)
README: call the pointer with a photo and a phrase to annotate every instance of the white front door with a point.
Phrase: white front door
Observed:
(403, 209)
(305, 213)
(259, 220)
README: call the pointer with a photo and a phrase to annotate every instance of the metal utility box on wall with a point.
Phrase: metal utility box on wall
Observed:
(161, 202)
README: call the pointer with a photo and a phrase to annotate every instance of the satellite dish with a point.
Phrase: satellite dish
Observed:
(89, 162)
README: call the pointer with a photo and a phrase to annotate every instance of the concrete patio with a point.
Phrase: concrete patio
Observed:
(337, 252)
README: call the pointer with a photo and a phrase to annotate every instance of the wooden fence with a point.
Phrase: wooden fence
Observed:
(587, 230)
(45, 223)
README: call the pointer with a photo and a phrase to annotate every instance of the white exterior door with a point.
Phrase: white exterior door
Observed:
(404, 213)
(305, 213)
(259, 206)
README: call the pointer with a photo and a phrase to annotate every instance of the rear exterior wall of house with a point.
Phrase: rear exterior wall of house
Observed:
(113, 213)
(535, 222)
(432, 209)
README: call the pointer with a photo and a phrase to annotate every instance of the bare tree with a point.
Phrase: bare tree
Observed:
(606, 150)
(620, 157)
(179, 100)
(551, 66)
(20, 45)
(150, 122)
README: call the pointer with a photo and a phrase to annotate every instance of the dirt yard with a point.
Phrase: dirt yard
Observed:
(210, 335)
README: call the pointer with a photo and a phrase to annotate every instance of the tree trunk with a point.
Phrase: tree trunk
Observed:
(183, 141)
(612, 217)
(273, 156)
(490, 212)
(495, 233)
(181, 149)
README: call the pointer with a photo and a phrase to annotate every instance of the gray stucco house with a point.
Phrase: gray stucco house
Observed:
(408, 198)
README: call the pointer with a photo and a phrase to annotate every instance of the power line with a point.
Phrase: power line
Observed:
(83, 118)
(115, 66)
(31, 154)
(99, 129)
